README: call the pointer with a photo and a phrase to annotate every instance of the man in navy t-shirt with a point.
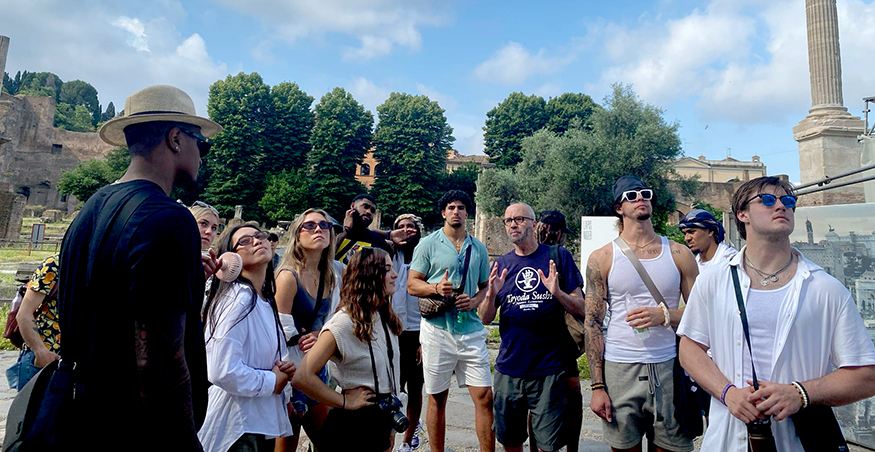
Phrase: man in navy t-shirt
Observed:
(529, 372)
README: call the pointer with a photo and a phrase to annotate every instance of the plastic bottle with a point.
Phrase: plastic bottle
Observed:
(631, 304)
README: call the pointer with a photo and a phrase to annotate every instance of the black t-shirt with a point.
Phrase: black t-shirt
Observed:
(138, 344)
(532, 323)
(350, 240)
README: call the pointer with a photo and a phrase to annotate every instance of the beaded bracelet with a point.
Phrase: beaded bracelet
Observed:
(725, 390)
(802, 393)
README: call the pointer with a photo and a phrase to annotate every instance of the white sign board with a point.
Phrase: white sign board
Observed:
(595, 232)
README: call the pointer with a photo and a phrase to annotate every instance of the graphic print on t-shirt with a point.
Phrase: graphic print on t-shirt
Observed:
(528, 282)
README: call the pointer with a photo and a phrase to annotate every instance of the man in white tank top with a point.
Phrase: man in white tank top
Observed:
(802, 323)
(631, 364)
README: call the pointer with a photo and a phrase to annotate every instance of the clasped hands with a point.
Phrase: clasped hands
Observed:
(770, 400)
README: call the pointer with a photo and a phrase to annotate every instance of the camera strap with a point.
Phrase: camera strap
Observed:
(743, 314)
(391, 354)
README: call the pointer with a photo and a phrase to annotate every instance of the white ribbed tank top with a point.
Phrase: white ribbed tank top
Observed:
(625, 287)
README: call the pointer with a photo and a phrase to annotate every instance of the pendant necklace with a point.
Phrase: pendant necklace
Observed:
(768, 278)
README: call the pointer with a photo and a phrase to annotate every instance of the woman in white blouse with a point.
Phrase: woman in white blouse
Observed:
(361, 340)
(245, 344)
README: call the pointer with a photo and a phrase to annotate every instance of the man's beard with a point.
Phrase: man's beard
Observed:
(642, 216)
(358, 222)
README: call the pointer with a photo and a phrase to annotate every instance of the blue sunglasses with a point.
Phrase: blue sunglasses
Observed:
(768, 199)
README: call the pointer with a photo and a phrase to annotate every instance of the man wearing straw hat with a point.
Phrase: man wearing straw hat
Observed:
(133, 284)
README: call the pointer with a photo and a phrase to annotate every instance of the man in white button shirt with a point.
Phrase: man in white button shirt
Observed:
(802, 322)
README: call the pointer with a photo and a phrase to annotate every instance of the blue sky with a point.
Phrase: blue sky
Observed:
(732, 73)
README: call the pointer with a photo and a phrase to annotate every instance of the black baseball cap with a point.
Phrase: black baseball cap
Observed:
(554, 218)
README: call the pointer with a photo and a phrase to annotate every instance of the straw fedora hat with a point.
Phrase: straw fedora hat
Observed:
(156, 103)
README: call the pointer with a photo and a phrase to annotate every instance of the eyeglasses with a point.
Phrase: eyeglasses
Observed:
(247, 240)
(311, 225)
(203, 146)
(632, 195)
(768, 199)
(516, 220)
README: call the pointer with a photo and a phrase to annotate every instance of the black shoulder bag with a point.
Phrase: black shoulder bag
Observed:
(574, 324)
(816, 425)
(32, 423)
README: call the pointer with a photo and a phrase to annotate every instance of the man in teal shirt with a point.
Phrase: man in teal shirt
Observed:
(455, 341)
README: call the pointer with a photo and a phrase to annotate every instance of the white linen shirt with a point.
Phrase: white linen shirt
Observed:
(722, 253)
(818, 327)
(239, 361)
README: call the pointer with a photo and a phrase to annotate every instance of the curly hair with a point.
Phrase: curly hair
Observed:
(295, 258)
(363, 293)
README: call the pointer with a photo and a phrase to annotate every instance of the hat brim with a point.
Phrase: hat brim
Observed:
(113, 131)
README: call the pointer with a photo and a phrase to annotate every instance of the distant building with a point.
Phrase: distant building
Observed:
(367, 172)
(720, 171)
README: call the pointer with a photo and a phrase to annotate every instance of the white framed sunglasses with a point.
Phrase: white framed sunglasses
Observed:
(632, 195)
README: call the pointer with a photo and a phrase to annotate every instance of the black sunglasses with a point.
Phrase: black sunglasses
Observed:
(203, 146)
(311, 225)
(768, 199)
(632, 195)
(246, 240)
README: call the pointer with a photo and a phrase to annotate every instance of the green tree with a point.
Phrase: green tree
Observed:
(76, 93)
(285, 194)
(341, 136)
(573, 172)
(74, 118)
(463, 178)
(293, 122)
(562, 110)
(108, 114)
(40, 84)
(507, 124)
(89, 176)
(234, 174)
(411, 142)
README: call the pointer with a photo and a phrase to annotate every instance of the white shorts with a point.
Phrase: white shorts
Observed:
(444, 353)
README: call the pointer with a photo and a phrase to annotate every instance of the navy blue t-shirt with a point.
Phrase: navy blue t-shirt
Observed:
(532, 323)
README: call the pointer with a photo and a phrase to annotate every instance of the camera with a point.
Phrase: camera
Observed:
(392, 406)
(760, 437)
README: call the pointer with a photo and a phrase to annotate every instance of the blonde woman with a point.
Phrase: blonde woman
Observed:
(306, 279)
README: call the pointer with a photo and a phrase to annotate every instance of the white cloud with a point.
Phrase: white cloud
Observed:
(548, 90)
(747, 63)
(107, 48)
(138, 39)
(513, 65)
(447, 102)
(369, 94)
(378, 26)
(467, 129)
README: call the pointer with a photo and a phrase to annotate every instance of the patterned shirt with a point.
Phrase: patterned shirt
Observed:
(42, 281)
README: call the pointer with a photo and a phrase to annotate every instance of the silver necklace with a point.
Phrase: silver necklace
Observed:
(768, 278)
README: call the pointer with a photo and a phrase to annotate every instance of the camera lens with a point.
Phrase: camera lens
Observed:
(400, 422)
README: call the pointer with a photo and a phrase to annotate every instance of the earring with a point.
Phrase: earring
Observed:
(177, 148)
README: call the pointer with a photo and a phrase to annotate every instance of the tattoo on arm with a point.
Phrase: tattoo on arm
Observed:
(596, 302)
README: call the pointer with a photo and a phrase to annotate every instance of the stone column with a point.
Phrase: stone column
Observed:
(827, 137)
(4, 48)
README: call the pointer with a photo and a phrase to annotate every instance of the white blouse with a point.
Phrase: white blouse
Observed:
(240, 356)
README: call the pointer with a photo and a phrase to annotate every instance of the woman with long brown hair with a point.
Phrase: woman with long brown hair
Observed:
(306, 279)
(245, 345)
(361, 341)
